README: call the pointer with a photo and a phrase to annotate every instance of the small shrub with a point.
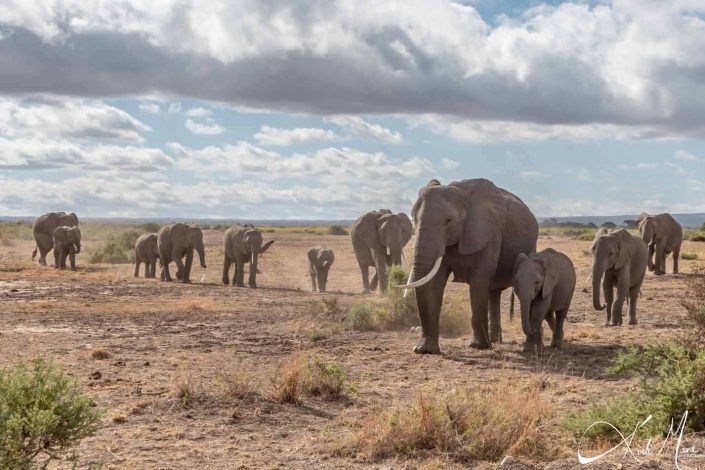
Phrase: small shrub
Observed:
(119, 249)
(324, 379)
(287, 380)
(464, 425)
(151, 227)
(689, 256)
(301, 375)
(184, 391)
(337, 230)
(331, 306)
(100, 354)
(455, 320)
(42, 412)
(238, 383)
(402, 311)
(625, 413)
(315, 335)
(365, 317)
(698, 237)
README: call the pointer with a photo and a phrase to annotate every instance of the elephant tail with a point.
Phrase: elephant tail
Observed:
(34, 253)
(511, 306)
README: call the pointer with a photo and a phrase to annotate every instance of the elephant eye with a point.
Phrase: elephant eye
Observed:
(448, 221)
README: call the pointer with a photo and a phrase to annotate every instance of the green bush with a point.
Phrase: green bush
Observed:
(365, 317)
(337, 230)
(689, 256)
(151, 227)
(324, 379)
(119, 248)
(42, 414)
(402, 311)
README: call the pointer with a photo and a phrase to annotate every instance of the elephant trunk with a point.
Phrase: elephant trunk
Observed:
(322, 278)
(525, 303)
(427, 262)
(253, 261)
(597, 272)
(77, 247)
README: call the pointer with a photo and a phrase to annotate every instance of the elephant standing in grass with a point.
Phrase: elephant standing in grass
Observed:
(44, 228)
(621, 259)
(147, 252)
(67, 242)
(544, 283)
(475, 230)
(378, 239)
(242, 244)
(176, 241)
(663, 235)
(320, 260)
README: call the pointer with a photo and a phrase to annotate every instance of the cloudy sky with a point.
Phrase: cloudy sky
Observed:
(325, 109)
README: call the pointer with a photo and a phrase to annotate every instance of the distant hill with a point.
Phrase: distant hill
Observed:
(686, 220)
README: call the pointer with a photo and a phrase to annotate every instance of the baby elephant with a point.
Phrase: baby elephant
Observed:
(146, 252)
(544, 283)
(67, 242)
(320, 260)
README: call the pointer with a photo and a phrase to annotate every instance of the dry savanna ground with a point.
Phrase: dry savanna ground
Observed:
(211, 376)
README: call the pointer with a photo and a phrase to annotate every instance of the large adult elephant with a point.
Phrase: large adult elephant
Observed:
(378, 238)
(176, 241)
(663, 235)
(621, 258)
(44, 228)
(242, 244)
(475, 230)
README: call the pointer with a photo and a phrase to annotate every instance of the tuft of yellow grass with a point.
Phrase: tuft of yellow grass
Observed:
(464, 425)
(197, 304)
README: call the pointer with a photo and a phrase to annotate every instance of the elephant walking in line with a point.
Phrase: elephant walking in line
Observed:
(176, 241)
(544, 283)
(620, 258)
(147, 252)
(66, 242)
(320, 260)
(663, 235)
(475, 230)
(44, 228)
(242, 244)
(378, 239)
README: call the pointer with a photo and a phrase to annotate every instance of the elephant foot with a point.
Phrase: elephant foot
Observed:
(477, 344)
(632, 321)
(496, 337)
(366, 291)
(186, 281)
(427, 345)
(239, 285)
(226, 281)
(252, 286)
(167, 279)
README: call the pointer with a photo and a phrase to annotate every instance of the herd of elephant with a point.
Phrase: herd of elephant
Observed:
(482, 234)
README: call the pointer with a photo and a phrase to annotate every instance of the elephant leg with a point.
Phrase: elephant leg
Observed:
(557, 338)
(153, 273)
(137, 267)
(186, 278)
(374, 281)
(43, 252)
(72, 259)
(365, 272)
(660, 261)
(633, 297)
(380, 258)
(165, 271)
(650, 264)
(479, 303)
(676, 257)
(551, 320)
(56, 259)
(147, 268)
(312, 273)
(622, 292)
(495, 318)
(239, 274)
(608, 289)
(429, 299)
(62, 259)
(226, 269)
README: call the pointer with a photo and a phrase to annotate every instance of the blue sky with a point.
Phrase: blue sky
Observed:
(329, 110)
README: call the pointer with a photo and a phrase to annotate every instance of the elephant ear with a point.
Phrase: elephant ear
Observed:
(266, 246)
(521, 257)
(407, 229)
(550, 277)
(312, 258)
(74, 218)
(486, 209)
(623, 253)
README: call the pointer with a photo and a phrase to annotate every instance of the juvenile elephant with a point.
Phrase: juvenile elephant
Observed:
(320, 260)
(66, 242)
(544, 283)
(621, 258)
(242, 244)
(176, 241)
(475, 230)
(663, 235)
(44, 228)
(378, 239)
(147, 252)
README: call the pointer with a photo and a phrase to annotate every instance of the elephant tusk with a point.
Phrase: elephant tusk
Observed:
(411, 276)
(425, 279)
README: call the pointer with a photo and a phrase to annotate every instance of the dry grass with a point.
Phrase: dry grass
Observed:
(464, 425)
(100, 354)
(455, 318)
(197, 304)
(287, 378)
(239, 383)
(184, 391)
(306, 375)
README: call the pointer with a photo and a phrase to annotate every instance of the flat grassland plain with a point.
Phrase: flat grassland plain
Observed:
(186, 374)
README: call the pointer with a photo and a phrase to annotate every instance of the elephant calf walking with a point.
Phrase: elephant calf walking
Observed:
(320, 260)
(620, 258)
(544, 283)
(67, 243)
(242, 244)
(147, 252)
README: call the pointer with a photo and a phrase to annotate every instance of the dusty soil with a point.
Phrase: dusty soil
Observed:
(160, 335)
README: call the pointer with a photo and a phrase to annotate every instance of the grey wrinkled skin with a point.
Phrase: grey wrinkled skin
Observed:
(147, 252)
(544, 282)
(621, 259)
(67, 243)
(378, 238)
(242, 244)
(663, 235)
(175, 242)
(479, 230)
(320, 260)
(44, 228)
